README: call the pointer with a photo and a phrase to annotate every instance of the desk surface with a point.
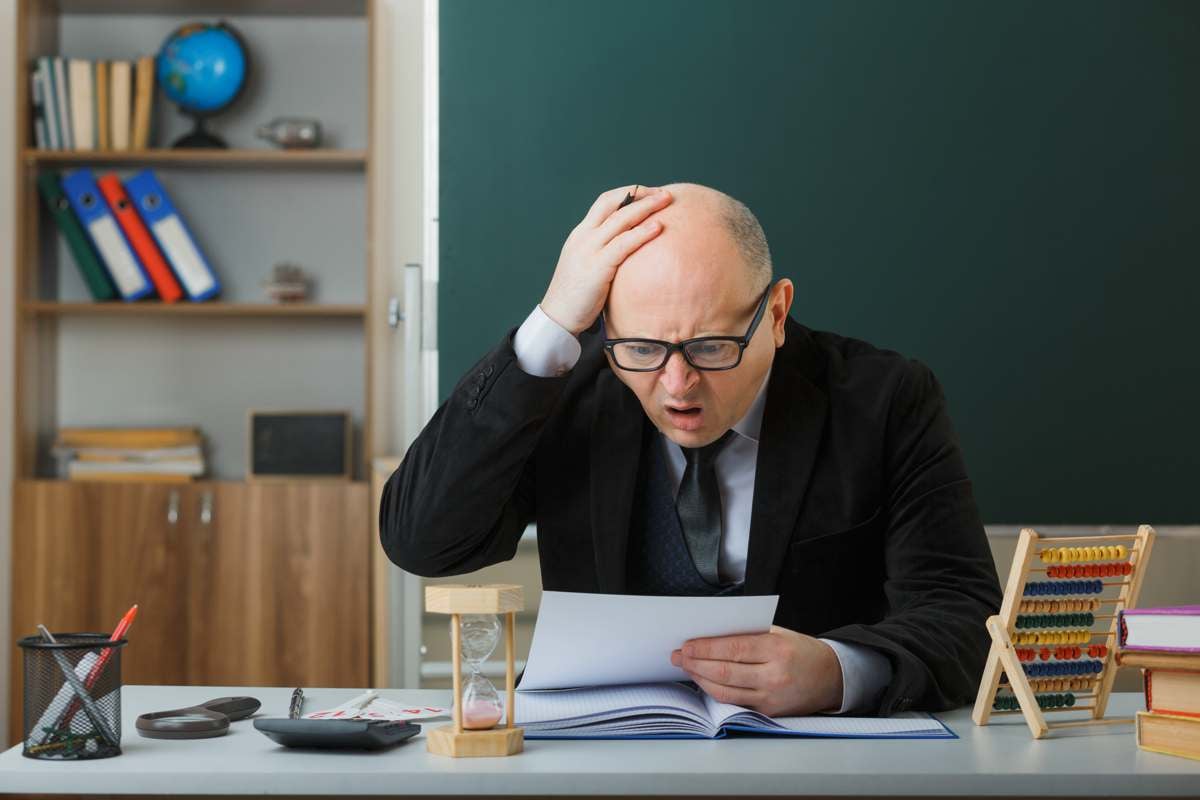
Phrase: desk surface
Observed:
(1000, 759)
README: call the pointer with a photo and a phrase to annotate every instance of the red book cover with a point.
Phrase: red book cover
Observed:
(140, 239)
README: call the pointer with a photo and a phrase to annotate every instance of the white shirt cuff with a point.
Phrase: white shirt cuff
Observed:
(865, 674)
(543, 347)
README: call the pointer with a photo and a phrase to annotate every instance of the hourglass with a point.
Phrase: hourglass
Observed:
(474, 634)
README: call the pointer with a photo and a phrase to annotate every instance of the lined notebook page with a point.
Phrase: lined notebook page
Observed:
(610, 702)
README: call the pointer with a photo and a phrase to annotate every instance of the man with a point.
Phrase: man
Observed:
(672, 431)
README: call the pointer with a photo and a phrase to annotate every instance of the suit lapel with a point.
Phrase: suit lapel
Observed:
(616, 444)
(793, 421)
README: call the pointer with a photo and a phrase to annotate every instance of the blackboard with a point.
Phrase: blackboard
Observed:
(1007, 191)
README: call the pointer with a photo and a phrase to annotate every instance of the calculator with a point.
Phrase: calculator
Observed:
(357, 734)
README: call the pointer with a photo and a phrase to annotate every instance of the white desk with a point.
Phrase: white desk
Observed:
(1000, 759)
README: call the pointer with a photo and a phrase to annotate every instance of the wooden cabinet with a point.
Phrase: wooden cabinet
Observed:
(236, 583)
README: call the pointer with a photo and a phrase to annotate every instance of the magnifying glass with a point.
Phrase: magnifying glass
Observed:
(197, 722)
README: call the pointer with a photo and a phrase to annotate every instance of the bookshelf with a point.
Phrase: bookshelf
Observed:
(250, 207)
(197, 555)
(247, 158)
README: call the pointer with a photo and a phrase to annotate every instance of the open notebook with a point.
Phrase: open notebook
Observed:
(680, 711)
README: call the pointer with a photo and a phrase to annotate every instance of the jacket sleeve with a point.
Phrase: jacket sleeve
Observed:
(941, 582)
(463, 494)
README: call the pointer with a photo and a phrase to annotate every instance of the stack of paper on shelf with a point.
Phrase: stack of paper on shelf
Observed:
(1165, 643)
(130, 454)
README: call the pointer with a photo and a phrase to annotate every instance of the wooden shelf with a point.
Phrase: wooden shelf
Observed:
(254, 157)
(205, 309)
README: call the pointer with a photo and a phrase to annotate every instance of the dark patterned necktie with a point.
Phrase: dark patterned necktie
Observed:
(699, 507)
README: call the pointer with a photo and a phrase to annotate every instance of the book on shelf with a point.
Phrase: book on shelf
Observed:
(140, 238)
(63, 104)
(1173, 629)
(129, 453)
(126, 271)
(173, 236)
(121, 105)
(83, 104)
(86, 258)
(1169, 734)
(102, 106)
(130, 438)
(80, 104)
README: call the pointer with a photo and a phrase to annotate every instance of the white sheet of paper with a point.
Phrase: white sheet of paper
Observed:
(583, 639)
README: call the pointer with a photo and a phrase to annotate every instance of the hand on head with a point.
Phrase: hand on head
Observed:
(595, 249)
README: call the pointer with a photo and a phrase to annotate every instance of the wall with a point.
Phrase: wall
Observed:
(8, 15)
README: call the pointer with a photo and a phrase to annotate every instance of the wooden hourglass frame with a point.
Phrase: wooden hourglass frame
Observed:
(1039, 557)
(456, 600)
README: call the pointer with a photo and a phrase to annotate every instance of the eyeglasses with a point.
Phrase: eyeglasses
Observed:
(704, 352)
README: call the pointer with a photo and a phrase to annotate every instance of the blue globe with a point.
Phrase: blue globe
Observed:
(202, 67)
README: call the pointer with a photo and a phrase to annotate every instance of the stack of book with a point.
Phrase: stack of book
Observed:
(127, 239)
(1165, 643)
(172, 455)
(92, 105)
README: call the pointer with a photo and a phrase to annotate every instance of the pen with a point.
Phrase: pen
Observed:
(89, 705)
(98, 668)
(629, 197)
(297, 703)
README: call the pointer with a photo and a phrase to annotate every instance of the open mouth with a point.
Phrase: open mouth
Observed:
(687, 417)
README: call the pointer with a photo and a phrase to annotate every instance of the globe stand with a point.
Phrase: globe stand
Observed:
(199, 137)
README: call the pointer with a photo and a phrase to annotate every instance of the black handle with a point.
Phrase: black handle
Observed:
(233, 707)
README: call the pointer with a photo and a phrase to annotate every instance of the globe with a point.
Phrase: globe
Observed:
(202, 68)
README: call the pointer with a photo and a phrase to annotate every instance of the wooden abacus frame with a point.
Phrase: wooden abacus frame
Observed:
(1002, 658)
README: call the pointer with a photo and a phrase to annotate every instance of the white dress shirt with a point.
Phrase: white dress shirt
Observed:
(546, 349)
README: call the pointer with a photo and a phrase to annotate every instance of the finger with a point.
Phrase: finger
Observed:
(751, 649)
(727, 673)
(633, 214)
(730, 694)
(615, 252)
(609, 201)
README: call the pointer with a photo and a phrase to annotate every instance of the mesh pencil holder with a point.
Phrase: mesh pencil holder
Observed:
(72, 697)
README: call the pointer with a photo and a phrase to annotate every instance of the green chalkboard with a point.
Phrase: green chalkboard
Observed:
(1008, 191)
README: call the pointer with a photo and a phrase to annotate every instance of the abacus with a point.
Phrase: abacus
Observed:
(1046, 655)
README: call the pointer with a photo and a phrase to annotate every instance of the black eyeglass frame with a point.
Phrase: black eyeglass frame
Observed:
(671, 347)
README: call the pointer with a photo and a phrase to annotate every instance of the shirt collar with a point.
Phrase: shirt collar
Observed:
(750, 425)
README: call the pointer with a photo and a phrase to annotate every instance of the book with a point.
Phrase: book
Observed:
(102, 107)
(45, 76)
(140, 239)
(120, 91)
(86, 258)
(87, 469)
(116, 254)
(1172, 692)
(1173, 630)
(128, 437)
(173, 236)
(144, 97)
(681, 711)
(62, 104)
(83, 109)
(1170, 734)
(1153, 659)
(133, 477)
(38, 107)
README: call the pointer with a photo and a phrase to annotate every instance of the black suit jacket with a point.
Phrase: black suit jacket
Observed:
(863, 519)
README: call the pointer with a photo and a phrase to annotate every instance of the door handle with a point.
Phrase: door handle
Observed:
(173, 508)
(206, 508)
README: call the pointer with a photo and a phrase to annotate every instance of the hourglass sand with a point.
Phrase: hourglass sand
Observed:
(474, 634)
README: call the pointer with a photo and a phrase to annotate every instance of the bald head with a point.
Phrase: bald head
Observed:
(700, 213)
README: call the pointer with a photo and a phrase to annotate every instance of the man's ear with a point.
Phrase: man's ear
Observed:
(779, 305)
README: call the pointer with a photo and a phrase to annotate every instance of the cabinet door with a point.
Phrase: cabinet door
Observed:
(83, 553)
(279, 583)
